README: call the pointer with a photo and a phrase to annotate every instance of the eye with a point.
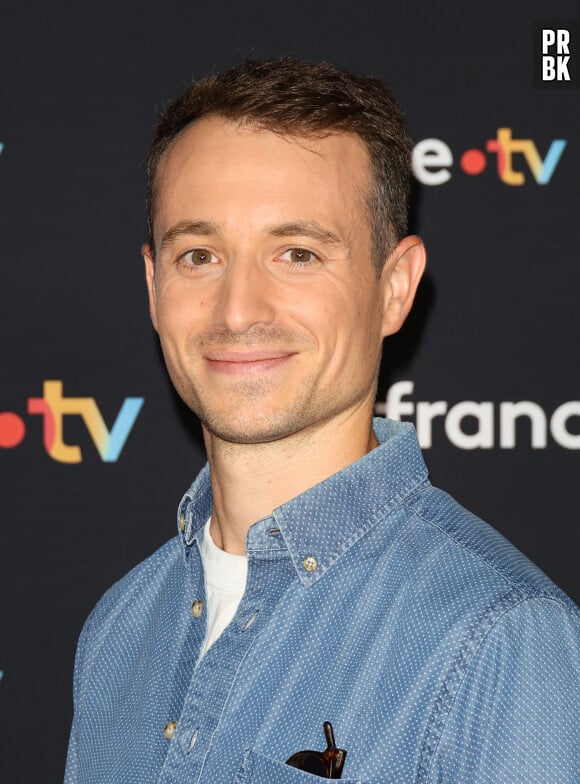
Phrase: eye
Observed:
(299, 257)
(198, 257)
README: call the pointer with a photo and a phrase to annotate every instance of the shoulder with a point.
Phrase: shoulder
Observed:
(482, 557)
(477, 594)
(134, 593)
(509, 715)
(510, 682)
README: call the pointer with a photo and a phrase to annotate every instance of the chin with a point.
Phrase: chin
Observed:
(251, 416)
(250, 430)
(257, 423)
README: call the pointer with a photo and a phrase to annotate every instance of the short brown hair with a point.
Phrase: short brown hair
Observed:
(298, 98)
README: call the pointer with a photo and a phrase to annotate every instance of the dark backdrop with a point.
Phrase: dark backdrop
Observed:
(496, 319)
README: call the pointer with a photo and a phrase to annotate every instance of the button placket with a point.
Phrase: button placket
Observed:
(213, 678)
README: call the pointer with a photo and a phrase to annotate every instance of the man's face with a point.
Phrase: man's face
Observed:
(263, 290)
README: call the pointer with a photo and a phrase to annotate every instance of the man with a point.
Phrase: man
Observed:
(317, 580)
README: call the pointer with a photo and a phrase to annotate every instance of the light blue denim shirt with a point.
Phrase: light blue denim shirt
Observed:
(438, 652)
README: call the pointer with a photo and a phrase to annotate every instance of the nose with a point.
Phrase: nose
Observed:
(245, 298)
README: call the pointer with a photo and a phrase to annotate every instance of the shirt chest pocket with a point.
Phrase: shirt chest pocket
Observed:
(257, 769)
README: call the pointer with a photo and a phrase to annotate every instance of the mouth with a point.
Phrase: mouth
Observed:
(247, 362)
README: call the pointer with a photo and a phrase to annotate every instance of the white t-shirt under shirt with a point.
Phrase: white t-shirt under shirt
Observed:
(225, 583)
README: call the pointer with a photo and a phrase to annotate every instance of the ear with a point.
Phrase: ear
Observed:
(401, 275)
(150, 280)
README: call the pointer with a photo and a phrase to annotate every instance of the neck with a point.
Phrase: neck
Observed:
(250, 480)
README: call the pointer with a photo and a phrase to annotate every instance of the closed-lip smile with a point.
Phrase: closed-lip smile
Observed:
(248, 360)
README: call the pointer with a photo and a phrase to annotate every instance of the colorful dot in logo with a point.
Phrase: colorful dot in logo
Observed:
(473, 161)
(12, 430)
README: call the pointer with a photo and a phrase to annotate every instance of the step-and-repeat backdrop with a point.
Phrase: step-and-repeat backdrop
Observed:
(95, 447)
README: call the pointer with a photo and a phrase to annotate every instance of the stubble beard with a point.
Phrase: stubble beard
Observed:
(252, 413)
(259, 411)
(249, 411)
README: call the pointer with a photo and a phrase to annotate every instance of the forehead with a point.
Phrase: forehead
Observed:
(214, 164)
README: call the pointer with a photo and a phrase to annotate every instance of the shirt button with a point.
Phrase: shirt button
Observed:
(182, 522)
(310, 563)
(169, 729)
(197, 608)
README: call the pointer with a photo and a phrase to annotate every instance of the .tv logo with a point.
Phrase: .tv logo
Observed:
(53, 407)
(432, 159)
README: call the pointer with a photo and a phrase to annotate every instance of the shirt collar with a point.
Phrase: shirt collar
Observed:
(322, 523)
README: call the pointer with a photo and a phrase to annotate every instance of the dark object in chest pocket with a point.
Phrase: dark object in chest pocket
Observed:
(327, 764)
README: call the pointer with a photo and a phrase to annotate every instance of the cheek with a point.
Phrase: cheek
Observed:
(322, 318)
(341, 315)
(179, 311)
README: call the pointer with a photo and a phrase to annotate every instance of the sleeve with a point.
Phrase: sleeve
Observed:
(515, 718)
(71, 775)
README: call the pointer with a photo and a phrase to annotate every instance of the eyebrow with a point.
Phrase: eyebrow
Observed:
(200, 228)
(310, 229)
(188, 228)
